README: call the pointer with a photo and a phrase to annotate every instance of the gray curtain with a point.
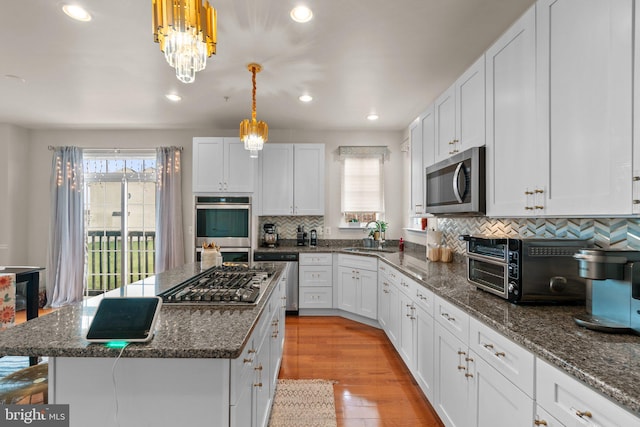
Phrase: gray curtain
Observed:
(66, 256)
(169, 234)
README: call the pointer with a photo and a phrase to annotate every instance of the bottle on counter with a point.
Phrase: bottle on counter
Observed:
(401, 245)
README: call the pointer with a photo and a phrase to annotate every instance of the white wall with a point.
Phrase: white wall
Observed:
(15, 176)
(39, 167)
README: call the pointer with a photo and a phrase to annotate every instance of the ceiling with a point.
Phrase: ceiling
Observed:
(355, 57)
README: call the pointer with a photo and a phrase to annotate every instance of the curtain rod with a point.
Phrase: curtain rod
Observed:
(116, 150)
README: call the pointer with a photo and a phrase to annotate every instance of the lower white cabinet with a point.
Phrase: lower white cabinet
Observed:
(574, 404)
(424, 335)
(358, 285)
(408, 329)
(316, 280)
(388, 305)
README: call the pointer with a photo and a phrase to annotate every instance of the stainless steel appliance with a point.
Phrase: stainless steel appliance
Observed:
(235, 285)
(291, 258)
(457, 185)
(270, 238)
(225, 221)
(313, 238)
(613, 289)
(526, 270)
(301, 236)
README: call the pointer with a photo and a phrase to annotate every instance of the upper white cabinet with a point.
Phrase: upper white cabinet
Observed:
(417, 168)
(222, 165)
(636, 117)
(513, 156)
(428, 122)
(585, 97)
(292, 179)
(459, 113)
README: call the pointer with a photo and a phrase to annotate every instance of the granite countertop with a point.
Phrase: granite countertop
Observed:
(609, 363)
(181, 331)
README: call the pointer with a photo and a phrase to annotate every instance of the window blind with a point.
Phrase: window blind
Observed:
(362, 183)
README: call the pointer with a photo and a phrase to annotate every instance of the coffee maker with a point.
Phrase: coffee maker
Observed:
(613, 289)
(301, 236)
(270, 235)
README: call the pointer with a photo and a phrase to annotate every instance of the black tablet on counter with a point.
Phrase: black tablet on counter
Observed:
(126, 319)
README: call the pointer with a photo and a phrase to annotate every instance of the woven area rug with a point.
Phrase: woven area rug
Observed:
(303, 403)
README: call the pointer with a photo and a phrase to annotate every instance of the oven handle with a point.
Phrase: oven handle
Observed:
(488, 260)
(456, 180)
(488, 239)
(223, 206)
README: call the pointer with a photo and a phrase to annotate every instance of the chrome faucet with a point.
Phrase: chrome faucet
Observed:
(379, 230)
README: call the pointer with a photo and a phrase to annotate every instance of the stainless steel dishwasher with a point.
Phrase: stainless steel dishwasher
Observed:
(291, 258)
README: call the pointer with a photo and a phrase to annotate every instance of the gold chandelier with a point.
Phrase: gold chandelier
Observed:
(186, 31)
(253, 133)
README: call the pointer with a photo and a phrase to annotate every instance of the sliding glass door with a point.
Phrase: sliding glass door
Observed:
(119, 217)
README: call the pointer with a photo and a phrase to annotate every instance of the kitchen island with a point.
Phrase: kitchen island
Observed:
(203, 365)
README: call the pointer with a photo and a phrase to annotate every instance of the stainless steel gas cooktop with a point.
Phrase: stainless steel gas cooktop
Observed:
(226, 285)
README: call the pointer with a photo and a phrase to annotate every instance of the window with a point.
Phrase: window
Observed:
(362, 187)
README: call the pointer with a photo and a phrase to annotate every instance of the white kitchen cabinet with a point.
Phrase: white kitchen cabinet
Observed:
(585, 97)
(424, 368)
(575, 404)
(495, 401)
(358, 285)
(428, 123)
(417, 168)
(459, 113)
(543, 418)
(513, 156)
(452, 392)
(408, 328)
(636, 116)
(222, 165)
(292, 179)
(316, 280)
(388, 304)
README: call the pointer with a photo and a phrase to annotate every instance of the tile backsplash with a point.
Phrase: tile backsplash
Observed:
(288, 225)
(605, 232)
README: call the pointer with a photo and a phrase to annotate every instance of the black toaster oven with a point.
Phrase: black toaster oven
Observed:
(529, 270)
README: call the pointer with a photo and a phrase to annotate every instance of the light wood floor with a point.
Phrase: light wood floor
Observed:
(374, 387)
(21, 316)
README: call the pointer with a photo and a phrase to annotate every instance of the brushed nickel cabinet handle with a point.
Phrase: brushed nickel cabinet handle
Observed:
(582, 414)
(468, 375)
(488, 345)
(540, 422)
(500, 353)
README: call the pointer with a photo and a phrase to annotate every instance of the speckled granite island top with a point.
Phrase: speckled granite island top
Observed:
(181, 332)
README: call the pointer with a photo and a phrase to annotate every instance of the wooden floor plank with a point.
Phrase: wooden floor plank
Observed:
(374, 387)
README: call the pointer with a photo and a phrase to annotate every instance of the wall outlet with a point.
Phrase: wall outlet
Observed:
(327, 231)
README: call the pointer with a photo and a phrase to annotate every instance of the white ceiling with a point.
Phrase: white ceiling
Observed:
(354, 57)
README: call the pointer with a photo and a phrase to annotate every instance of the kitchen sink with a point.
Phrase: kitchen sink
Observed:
(374, 250)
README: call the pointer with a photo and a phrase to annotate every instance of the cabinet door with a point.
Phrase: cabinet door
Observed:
(585, 99)
(368, 293)
(261, 389)
(451, 385)
(276, 184)
(407, 331)
(417, 168)
(495, 401)
(470, 105)
(383, 302)
(239, 168)
(347, 289)
(513, 157)
(428, 140)
(445, 117)
(393, 321)
(424, 352)
(208, 173)
(308, 179)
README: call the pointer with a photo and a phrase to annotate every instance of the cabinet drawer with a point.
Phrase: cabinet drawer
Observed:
(315, 259)
(424, 298)
(565, 398)
(316, 297)
(543, 418)
(453, 319)
(316, 275)
(507, 357)
(359, 262)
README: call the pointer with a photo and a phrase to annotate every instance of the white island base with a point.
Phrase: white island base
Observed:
(141, 392)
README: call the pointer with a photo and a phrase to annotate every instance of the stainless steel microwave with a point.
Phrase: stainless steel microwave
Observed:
(457, 185)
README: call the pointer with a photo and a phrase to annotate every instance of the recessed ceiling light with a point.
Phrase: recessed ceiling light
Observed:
(305, 98)
(173, 97)
(301, 14)
(76, 12)
(372, 117)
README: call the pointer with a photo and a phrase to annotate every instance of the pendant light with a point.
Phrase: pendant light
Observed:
(253, 133)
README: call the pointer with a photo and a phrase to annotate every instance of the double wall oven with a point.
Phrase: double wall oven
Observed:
(225, 220)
